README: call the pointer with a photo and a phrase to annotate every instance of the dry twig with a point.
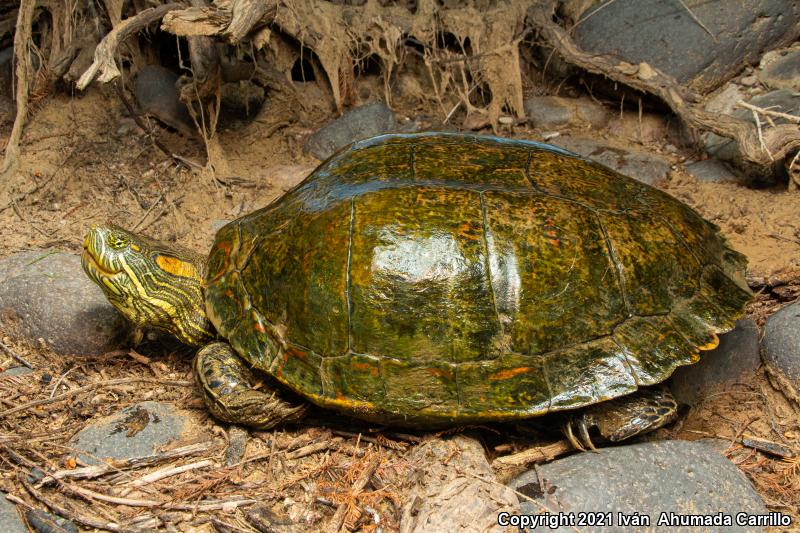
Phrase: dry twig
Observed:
(14, 354)
(95, 471)
(338, 520)
(93, 386)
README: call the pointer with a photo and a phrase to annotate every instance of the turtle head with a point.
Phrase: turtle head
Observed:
(152, 284)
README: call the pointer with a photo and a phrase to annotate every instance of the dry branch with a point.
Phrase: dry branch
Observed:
(95, 471)
(104, 62)
(777, 141)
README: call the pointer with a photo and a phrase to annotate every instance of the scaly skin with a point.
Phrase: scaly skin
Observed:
(153, 285)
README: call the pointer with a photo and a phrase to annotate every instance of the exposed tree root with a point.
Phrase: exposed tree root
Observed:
(22, 37)
(469, 53)
(104, 63)
(488, 40)
(755, 149)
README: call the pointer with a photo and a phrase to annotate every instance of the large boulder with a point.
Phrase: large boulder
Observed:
(780, 347)
(736, 357)
(46, 295)
(703, 43)
(650, 479)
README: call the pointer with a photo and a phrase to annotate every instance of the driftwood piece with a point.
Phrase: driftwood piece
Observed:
(508, 466)
(777, 142)
(104, 62)
(246, 15)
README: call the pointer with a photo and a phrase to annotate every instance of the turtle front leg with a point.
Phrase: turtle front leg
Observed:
(622, 418)
(225, 384)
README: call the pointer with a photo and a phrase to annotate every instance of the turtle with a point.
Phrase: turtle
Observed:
(439, 279)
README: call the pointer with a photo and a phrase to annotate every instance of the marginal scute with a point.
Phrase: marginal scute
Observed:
(429, 388)
(653, 348)
(511, 384)
(443, 278)
(587, 373)
(353, 376)
(226, 306)
(253, 339)
(727, 292)
(298, 367)
(696, 331)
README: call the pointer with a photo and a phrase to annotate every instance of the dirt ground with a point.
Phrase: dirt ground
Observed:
(85, 161)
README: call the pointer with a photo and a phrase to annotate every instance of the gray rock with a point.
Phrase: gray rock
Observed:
(134, 432)
(16, 371)
(781, 69)
(783, 100)
(749, 81)
(714, 171)
(725, 100)
(546, 112)
(48, 295)
(359, 123)
(157, 96)
(736, 356)
(649, 478)
(10, 521)
(665, 35)
(645, 167)
(455, 490)
(780, 346)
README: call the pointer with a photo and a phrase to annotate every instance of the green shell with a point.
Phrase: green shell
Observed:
(440, 278)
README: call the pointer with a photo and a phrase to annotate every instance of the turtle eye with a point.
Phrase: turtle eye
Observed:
(117, 241)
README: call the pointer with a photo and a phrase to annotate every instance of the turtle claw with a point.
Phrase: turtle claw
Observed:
(583, 431)
(571, 436)
(582, 442)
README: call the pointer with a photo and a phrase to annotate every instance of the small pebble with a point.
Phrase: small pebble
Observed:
(749, 81)
(505, 120)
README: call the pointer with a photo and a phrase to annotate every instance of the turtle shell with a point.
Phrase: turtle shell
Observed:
(445, 278)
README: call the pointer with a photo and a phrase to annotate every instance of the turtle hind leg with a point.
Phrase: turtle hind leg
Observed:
(622, 418)
(225, 381)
